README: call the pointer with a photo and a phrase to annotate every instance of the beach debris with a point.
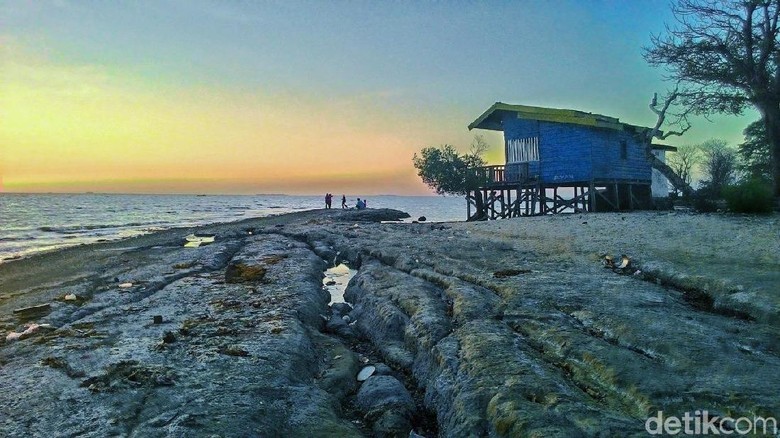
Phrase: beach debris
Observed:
(330, 282)
(422, 219)
(157, 319)
(33, 311)
(365, 373)
(622, 267)
(71, 297)
(510, 273)
(29, 331)
(127, 285)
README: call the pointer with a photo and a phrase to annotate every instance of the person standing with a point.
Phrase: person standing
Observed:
(343, 201)
(328, 200)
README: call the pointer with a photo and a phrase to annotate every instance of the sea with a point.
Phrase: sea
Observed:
(31, 223)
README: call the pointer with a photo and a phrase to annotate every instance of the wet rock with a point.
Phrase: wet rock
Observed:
(387, 403)
(339, 376)
(338, 326)
(340, 308)
(383, 370)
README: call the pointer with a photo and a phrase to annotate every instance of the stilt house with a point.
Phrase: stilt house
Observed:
(560, 160)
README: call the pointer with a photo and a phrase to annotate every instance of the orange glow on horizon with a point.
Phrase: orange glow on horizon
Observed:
(87, 128)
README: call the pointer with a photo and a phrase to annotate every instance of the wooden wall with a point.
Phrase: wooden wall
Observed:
(573, 153)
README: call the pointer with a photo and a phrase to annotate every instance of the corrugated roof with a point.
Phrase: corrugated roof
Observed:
(491, 119)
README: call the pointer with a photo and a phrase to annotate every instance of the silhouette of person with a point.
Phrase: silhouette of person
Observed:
(343, 201)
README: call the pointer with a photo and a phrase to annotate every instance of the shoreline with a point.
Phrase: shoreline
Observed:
(508, 328)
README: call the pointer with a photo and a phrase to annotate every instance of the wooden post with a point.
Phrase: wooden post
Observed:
(630, 196)
(617, 197)
(592, 197)
(509, 200)
(468, 204)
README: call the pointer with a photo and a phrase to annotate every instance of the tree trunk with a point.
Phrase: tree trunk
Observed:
(770, 115)
(480, 214)
(669, 173)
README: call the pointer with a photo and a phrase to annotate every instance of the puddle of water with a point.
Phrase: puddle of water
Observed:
(335, 282)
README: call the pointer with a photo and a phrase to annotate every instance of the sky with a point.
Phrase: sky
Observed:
(300, 97)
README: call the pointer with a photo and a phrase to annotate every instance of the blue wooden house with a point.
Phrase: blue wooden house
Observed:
(559, 160)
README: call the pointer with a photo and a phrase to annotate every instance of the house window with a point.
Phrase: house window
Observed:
(623, 149)
(520, 150)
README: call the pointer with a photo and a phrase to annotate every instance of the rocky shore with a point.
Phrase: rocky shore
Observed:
(507, 328)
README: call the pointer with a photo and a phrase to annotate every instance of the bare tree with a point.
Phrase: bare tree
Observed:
(719, 166)
(665, 116)
(726, 55)
(684, 160)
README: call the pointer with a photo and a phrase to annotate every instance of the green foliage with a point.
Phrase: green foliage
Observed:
(724, 55)
(446, 171)
(753, 196)
(755, 153)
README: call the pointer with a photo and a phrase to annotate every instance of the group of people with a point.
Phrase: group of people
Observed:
(360, 205)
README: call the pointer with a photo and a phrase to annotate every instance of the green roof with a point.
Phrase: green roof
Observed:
(491, 119)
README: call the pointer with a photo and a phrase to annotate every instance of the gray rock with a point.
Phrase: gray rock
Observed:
(385, 402)
(340, 308)
(383, 370)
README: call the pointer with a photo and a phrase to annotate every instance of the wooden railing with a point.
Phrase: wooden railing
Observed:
(509, 173)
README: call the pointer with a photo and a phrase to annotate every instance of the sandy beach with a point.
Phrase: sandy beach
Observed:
(513, 327)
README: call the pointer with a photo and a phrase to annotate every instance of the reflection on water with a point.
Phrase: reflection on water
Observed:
(336, 280)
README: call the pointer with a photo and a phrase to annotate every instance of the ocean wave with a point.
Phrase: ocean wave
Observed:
(16, 239)
(75, 229)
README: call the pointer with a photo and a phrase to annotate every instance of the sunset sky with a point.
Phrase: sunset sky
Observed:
(195, 96)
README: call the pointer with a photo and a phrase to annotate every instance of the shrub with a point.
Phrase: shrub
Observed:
(704, 204)
(753, 196)
(704, 200)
